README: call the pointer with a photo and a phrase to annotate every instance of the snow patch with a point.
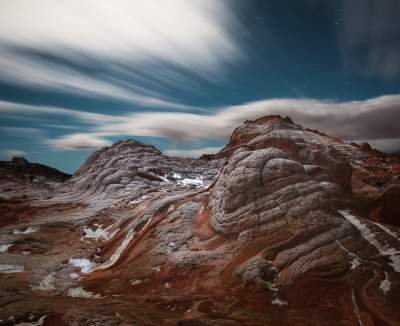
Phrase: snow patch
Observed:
(99, 233)
(84, 264)
(368, 235)
(386, 229)
(82, 293)
(47, 284)
(137, 200)
(34, 323)
(156, 269)
(74, 275)
(196, 182)
(31, 229)
(6, 268)
(278, 301)
(115, 256)
(164, 178)
(385, 284)
(356, 260)
(176, 176)
(355, 307)
(4, 247)
(136, 282)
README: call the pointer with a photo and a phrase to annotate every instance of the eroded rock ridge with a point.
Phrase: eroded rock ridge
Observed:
(284, 226)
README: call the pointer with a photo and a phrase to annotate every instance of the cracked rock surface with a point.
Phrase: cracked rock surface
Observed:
(284, 226)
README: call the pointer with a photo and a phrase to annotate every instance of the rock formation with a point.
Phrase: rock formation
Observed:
(284, 226)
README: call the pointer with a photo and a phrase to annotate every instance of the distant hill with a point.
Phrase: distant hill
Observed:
(21, 167)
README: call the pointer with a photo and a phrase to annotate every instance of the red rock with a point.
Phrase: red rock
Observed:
(284, 226)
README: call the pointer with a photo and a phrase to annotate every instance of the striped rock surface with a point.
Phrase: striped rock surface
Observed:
(284, 226)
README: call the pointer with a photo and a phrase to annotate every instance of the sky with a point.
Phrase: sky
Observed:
(77, 75)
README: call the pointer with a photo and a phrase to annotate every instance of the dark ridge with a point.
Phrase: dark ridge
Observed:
(21, 167)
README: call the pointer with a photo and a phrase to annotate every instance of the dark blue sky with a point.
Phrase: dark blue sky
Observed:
(181, 76)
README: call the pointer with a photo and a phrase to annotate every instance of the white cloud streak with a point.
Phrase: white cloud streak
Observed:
(35, 74)
(191, 33)
(10, 153)
(371, 119)
(22, 132)
(78, 141)
(162, 40)
(83, 116)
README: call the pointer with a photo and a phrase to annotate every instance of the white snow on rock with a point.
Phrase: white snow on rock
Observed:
(99, 233)
(74, 275)
(385, 284)
(356, 260)
(34, 323)
(164, 178)
(84, 264)
(115, 256)
(47, 284)
(136, 282)
(176, 176)
(196, 182)
(386, 229)
(31, 229)
(137, 200)
(4, 247)
(278, 301)
(82, 293)
(355, 307)
(6, 268)
(156, 269)
(133, 202)
(368, 235)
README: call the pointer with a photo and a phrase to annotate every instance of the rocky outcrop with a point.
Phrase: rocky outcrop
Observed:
(22, 168)
(130, 170)
(283, 226)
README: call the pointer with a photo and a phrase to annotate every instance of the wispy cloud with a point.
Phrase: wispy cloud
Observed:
(138, 47)
(37, 74)
(192, 33)
(22, 132)
(18, 109)
(356, 120)
(78, 141)
(371, 119)
(10, 153)
(58, 126)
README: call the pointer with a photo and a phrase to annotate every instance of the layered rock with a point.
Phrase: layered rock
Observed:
(130, 169)
(282, 226)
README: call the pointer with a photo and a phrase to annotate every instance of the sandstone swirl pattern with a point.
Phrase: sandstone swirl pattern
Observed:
(284, 226)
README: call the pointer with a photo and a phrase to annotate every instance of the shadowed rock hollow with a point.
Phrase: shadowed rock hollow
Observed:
(284, 226)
